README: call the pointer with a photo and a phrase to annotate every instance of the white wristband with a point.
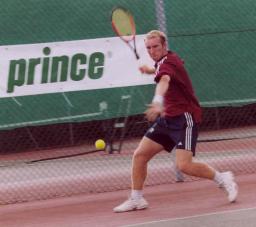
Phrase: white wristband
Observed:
(158, 99)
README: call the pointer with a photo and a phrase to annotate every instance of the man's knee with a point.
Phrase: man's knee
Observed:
(180, 166)
(183, 160)
(140, 157)
(146, 150)
(183, 166)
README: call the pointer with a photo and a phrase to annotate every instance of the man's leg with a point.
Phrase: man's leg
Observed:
(179, 177)
(197, 169)
(144, 152)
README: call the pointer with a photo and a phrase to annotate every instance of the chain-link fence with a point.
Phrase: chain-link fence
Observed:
(66, 81)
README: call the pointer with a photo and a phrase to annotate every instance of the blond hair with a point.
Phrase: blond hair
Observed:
(156, 33)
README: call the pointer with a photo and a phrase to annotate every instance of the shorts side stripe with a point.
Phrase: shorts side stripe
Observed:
(188, 136)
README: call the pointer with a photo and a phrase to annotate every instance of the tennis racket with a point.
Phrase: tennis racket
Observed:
(124, 26)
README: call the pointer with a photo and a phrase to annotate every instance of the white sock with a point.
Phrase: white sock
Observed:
(136, 194)
(218, 177)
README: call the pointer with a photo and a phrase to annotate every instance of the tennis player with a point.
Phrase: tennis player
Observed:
(176, 114)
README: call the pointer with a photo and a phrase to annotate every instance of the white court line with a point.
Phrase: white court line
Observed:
(191, 217)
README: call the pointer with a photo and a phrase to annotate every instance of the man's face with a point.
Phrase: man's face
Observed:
(156, 49)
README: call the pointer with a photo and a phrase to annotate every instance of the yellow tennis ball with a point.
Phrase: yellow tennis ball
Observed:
(100, 144)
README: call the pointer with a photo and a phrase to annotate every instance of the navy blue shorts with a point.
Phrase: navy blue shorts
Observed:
(179, 132)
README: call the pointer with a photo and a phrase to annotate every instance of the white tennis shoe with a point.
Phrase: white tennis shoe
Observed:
(131, 204)
(230, 185)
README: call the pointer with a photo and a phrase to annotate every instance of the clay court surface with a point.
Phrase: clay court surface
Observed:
(193, 203)
(179, 204)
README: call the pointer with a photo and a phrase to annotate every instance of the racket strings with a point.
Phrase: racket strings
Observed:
(123, 24)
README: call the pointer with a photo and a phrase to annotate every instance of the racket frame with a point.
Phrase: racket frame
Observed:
(132, 36)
